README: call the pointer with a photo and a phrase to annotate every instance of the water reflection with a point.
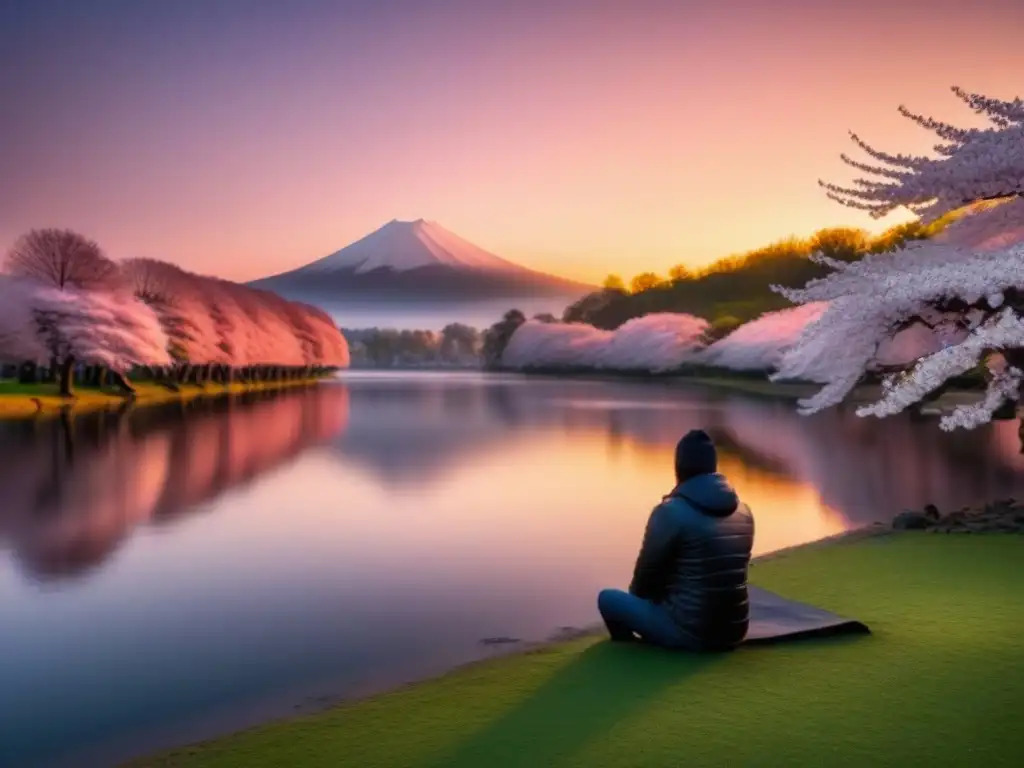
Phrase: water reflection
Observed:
(521, 445)
(869, 468)
(416, 430)
(439, 510)
(76, 487)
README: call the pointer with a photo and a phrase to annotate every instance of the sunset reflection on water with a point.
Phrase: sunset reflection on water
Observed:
(165, 574)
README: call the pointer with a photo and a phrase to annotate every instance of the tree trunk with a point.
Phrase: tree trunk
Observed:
(163, 376)
(67, 372)
(121, 382)
(28, 374)
(67, 423)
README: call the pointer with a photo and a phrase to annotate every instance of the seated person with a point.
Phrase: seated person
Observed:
(689, 588)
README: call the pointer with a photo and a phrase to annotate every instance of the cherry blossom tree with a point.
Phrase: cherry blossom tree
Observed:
(972, 301)
(229, 323)
(271, 343)
(565, 346)
(970, 164)
(18, 340)
(335, 347)
(987, 226)
(304, 327)
(760, 344)
(64, 299)
(965, 288)
(175, 297)
(654, 343)
(62, 259)
(97, 328)
(284, 348)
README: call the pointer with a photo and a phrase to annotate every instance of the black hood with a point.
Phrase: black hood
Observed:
(710, 494)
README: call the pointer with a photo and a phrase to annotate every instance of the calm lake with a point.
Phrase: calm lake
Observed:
(166, 574)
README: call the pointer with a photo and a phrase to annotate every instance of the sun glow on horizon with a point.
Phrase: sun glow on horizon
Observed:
(575, 144)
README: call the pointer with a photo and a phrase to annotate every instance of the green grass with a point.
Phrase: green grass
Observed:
(939, 683)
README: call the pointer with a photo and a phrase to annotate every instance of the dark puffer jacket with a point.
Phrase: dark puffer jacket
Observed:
(694, 561)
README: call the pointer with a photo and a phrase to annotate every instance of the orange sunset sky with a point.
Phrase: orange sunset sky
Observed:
(245, 138)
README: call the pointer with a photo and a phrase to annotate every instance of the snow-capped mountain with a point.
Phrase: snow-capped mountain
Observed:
(412, 260)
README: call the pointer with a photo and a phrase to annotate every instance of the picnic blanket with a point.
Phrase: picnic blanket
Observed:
(775, 619)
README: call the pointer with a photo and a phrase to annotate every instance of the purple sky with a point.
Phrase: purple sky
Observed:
(244, 137)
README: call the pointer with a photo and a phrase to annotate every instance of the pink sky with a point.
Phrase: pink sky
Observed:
(587, 138)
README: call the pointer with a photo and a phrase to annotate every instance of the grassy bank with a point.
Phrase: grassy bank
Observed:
(28, 400)
(940, 682)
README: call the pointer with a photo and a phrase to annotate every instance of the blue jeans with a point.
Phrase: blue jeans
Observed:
(627, 616)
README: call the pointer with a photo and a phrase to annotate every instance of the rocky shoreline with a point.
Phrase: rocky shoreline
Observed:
(1002, 516)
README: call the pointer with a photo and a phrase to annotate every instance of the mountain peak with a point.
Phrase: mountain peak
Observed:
(414, 260)
(400, 246)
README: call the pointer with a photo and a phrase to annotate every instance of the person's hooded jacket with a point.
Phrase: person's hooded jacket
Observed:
(696, 552)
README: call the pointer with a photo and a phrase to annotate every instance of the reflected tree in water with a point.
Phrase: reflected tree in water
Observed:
(75, 487)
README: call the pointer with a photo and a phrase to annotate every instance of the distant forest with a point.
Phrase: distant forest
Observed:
(736, 289)
(455, 346)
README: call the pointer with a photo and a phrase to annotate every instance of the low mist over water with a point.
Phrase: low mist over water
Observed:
(434, 317)
(168, 573)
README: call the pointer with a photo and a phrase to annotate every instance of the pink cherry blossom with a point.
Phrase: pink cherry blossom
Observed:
(957, 293)
(971, 164)
(98, 328)
(655, 342)
(64, 301)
